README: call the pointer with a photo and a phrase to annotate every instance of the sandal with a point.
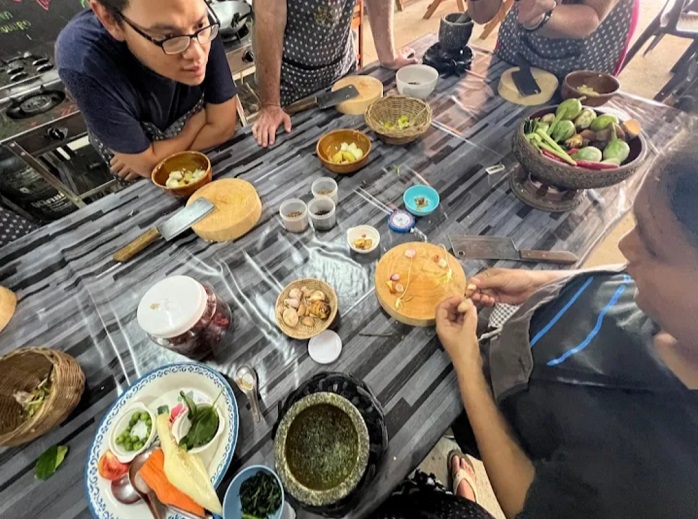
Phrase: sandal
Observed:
(461, 475)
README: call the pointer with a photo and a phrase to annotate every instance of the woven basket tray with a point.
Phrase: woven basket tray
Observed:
(23, 370)
(390, 109)
(301, 331)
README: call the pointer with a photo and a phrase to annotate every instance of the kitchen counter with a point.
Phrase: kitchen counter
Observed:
(73, 297)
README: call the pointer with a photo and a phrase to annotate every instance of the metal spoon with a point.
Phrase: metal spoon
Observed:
(246, 380)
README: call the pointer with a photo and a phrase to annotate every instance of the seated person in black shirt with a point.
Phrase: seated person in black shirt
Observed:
(585, 405)
(150, 78)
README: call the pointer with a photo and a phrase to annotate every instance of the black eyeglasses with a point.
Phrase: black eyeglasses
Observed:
(179, 44)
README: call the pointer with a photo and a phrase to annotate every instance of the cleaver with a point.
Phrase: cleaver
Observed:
(324, 100)
(175, 226)
(523, 78)
(501, 248)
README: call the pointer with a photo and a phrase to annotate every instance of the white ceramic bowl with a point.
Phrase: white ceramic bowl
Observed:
(363, 231)
(181, 426)
(417, 80)
(122, 424)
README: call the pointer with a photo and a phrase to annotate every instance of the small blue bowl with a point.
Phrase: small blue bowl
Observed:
(232, 508)
(420, 191)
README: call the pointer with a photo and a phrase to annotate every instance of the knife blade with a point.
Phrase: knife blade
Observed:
(503, 248)
(523, 78)
(174, 226)
(323, 100)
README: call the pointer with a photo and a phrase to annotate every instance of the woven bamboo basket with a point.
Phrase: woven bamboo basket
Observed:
(390, 109)
(301, 331)
(23, 370)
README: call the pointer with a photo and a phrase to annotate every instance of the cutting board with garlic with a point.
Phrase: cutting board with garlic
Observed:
(305, 308)
(413, 278)
(238, 209)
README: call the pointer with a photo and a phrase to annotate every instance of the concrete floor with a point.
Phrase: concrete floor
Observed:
(644, 76)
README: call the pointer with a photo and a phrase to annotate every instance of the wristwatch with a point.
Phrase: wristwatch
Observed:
(543, 21)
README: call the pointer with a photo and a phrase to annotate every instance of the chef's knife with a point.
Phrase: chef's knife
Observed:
(324, 100)
(501, 248)
(523, 78)
(175, 226)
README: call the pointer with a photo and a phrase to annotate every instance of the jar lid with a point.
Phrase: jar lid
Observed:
(401, 221)
(172, 306)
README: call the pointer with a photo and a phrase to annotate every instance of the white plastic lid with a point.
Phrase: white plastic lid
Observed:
(172, 306)
(325, 348)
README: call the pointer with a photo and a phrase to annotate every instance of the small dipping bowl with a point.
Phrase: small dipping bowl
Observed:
(232, 507)
(325, 186)
(185, 160)
(331, 143)
(363, 231)
(322, 213)
(416, 80)
(122, 424)
(294, 222)
(605, 85)
(181, 425)
(428, 193)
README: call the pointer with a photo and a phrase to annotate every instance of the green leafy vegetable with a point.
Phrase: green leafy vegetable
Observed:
(260, 496)
(49, 461)
(204, 423)
(163, 409)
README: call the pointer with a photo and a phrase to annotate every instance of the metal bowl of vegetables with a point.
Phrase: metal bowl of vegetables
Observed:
(183, 173)
(577, 147)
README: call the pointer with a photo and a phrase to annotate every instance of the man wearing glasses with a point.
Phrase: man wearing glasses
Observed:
(151, 79)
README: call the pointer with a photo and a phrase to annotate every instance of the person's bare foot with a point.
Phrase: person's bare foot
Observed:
(464, 487)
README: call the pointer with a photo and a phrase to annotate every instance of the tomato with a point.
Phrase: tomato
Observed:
(110, 467)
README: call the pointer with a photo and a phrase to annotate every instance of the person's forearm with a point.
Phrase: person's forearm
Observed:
(508, 468)
(380, 16)
(575, 22)
(212, 134)
(483, 11)
(181, 142)
(269, 28)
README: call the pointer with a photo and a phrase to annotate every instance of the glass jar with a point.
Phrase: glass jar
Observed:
(184, 316)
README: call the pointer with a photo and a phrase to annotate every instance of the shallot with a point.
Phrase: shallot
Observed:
(293, 303)
(410, 253)
(295, 294)
(395, 277)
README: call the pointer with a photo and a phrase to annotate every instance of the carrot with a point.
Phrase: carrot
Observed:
(154, 475)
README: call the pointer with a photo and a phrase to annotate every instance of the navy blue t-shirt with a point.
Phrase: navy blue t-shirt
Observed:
(116, 93)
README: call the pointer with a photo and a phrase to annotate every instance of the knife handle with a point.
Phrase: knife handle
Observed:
(131, 249)
(300, 106)
(549, 256)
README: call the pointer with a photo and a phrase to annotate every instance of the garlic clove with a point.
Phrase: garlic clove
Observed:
(302, 310)
(290, 317)
(317, 295)
(308, 321)
(292, 303)
(295, 294)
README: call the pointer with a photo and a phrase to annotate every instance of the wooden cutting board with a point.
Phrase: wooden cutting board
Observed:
(426, 283)
(8, 303)
(238, 209)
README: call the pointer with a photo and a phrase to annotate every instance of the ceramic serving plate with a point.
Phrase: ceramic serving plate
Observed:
(157, 388)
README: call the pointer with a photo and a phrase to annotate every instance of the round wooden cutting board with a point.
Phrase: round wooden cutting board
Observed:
(428, 284)
(8, 302)
(238, 209)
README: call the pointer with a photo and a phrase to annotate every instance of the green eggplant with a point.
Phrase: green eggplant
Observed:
(569, 109)
(563, 131)
(584, 119)
(602, 122)
(611, 161)
(589, 153)
(616, 149)
(548, 119)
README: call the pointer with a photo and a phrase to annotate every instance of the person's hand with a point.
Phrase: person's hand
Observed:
(268, 120)
(508, 286)
(531, 12)
(456, 326)
(120, 169)
(403, 58)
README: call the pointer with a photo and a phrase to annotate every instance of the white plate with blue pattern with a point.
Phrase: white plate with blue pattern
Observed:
(157, 388)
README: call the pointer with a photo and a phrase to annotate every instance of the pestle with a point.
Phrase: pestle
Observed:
(463, 18)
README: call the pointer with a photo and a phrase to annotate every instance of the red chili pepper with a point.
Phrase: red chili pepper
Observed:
(552, 156)
(596, 166)
(572, 151)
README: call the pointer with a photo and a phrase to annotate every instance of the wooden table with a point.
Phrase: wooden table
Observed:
(73, 297)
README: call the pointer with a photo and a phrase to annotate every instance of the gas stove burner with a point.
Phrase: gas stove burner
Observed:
(448, 63)
(40, 61)
(542, 196)
(237, 36)
(44, 68)
(35, 104)
(18, 76)
(14, 69)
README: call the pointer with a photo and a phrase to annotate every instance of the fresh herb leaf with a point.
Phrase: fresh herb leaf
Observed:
(204, 425)
(190, 404)
(49, 461)
(260, 495)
